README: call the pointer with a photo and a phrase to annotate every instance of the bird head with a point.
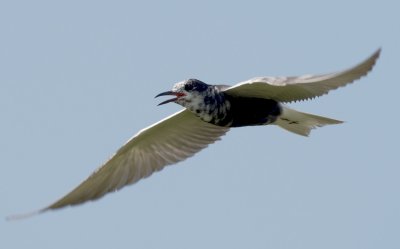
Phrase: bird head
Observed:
(187, 93)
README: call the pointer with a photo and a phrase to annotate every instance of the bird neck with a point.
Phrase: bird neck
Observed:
(211, 106)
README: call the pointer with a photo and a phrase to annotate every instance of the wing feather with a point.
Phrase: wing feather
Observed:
(288, 89)
(169, 141)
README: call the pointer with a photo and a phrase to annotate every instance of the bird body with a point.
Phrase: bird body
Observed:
(213, 104)
(209, 112)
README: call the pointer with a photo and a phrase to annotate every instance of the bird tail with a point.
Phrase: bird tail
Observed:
(301, 123)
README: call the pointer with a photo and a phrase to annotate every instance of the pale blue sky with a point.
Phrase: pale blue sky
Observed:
(78, 78)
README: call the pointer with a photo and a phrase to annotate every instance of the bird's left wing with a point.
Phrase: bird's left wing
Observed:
(288, 89)
(171, 140)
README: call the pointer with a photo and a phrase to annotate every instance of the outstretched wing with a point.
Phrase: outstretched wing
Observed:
(171, 140)
(288, 89)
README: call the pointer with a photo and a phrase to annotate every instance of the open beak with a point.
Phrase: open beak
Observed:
(177, 94)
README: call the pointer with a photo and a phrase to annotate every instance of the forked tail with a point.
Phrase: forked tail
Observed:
(301, 123)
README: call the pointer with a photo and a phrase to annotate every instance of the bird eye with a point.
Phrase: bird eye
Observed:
(188, 87)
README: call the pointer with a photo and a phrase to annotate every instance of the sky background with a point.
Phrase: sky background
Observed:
(78, 78)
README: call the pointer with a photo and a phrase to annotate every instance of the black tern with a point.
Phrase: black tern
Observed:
(209, 112)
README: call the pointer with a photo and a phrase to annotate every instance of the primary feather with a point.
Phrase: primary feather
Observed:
(166, 142)
(170, 140)
(288, 89)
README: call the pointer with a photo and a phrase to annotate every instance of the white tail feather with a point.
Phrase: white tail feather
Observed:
(301, 123)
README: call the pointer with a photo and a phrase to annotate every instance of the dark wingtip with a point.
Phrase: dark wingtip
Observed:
(377, 53)
(25, 215)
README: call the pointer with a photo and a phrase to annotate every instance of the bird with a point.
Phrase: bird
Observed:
(209, 112)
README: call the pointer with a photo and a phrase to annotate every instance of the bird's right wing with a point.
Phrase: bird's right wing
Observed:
(296, 88)
(171, 140)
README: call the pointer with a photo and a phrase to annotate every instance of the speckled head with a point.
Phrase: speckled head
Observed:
(187, 93)
(205, 101)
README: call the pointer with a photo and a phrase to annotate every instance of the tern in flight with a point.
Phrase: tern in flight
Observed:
(209, 112)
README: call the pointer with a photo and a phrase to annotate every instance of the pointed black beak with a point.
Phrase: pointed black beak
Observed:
(169, 93)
